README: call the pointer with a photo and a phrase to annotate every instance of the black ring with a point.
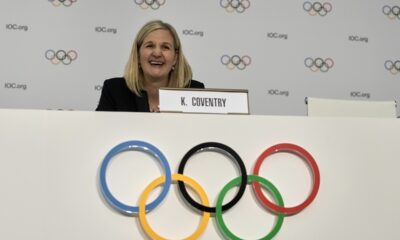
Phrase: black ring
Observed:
(228, 152)
(396, 10)
(317, 6)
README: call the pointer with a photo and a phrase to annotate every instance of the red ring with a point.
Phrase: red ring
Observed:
(302, 153)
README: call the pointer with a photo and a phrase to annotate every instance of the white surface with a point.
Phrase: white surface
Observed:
(50, 161)
(350, 108)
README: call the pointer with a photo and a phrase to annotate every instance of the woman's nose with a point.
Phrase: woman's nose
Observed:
(157, 51)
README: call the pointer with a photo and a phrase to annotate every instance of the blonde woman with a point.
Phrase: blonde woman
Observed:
(156, 60)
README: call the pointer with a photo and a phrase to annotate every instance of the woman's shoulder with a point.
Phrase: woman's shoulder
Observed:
(116, 85)
(114, 82)
(196, 84)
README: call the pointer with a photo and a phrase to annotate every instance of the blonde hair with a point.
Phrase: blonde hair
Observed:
(179, 77)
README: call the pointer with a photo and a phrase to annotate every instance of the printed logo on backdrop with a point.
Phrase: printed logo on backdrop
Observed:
(314, 8)
(98, 87)
(393, 66)
(236, 61)
(277, 92)
(16, 27)
(65, 3)
(191, 32)
(15, 86)
(358, 94)
(153, 4)
(66, 57)
(235, 5)
(100, 29)
(318, 64)
(355, 38)
(276, 35)
(391, 12)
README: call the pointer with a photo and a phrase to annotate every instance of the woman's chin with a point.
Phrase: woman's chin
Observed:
(157, 77)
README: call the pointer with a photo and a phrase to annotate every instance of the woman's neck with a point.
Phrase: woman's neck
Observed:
(152, 85)
(152, 88)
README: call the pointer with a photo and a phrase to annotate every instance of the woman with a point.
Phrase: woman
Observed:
(156, 61)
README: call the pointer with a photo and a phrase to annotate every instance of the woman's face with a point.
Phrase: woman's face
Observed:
(157, 55)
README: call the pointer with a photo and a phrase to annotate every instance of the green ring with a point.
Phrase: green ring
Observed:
(235, 182)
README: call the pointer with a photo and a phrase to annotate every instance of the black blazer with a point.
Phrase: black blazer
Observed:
(116, 96)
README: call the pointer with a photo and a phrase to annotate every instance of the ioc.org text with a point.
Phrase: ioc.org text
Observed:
(100, 29)
(9, 85)
(278, 92)
(355, 38)
(16, 27)
(358, 94)
(192, 32)
(277, 35)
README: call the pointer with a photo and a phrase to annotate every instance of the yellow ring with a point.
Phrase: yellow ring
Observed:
(313, 12)
(55, 61)
(230, 66)
(175, 177)
(56, 4)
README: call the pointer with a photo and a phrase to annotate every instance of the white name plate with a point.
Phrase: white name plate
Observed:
(193, 100)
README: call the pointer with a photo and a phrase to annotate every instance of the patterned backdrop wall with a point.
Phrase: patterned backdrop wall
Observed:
(55, 54)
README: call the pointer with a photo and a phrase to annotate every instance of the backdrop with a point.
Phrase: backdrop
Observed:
(55, 54)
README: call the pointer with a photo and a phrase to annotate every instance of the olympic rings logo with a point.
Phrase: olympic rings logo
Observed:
(278, 208)
(391, 12)
(319, 64)
(393, 66)
(61, 56)
(154, 4)
(317, 8)
(235, 61)
(66, 3)
(235, 5)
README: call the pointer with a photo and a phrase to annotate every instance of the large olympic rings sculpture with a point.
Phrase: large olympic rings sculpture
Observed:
(167, 179)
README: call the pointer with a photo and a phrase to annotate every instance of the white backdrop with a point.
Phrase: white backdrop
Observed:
(276, 40)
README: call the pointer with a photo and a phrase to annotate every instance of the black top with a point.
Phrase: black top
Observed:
(116, 96)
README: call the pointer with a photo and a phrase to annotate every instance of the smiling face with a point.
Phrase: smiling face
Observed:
(157, 55)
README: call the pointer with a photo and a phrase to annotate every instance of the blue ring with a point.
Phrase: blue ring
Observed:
(130, 146)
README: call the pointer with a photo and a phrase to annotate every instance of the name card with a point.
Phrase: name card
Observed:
(193, 100)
